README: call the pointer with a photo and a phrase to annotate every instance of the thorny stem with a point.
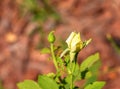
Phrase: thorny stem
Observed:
(71, 85)
(73, 65)
(72, 71)
(53, 56)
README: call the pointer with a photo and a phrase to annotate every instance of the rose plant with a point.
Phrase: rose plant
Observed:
(68, 72)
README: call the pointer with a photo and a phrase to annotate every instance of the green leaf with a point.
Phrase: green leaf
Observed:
(95, 68)
(89, 62)
(88, 75)
(47, 83)
(67, 82)
(76, 73)
(90, 80)
(45, 50)
(95, 85)
(28, 84)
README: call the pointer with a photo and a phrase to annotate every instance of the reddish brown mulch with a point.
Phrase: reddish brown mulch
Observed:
(19, 58)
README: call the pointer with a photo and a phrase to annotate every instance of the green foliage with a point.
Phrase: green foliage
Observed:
(46, 82)
(39, 10)
(95, 85)
(86, 64)
(45, 50)
(28, 84)
(69, 72)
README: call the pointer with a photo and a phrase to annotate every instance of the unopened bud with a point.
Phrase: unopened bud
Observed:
(51, 37)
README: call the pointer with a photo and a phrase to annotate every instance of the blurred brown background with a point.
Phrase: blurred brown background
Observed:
(24, 25)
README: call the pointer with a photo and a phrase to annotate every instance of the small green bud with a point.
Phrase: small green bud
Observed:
(51, 37)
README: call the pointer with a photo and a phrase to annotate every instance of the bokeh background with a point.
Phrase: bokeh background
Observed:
(25, 24)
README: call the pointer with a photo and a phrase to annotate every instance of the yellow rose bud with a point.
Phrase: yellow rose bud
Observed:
(70, 38)
(74, 42)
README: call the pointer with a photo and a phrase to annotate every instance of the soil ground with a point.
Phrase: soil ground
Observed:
(19, 58)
